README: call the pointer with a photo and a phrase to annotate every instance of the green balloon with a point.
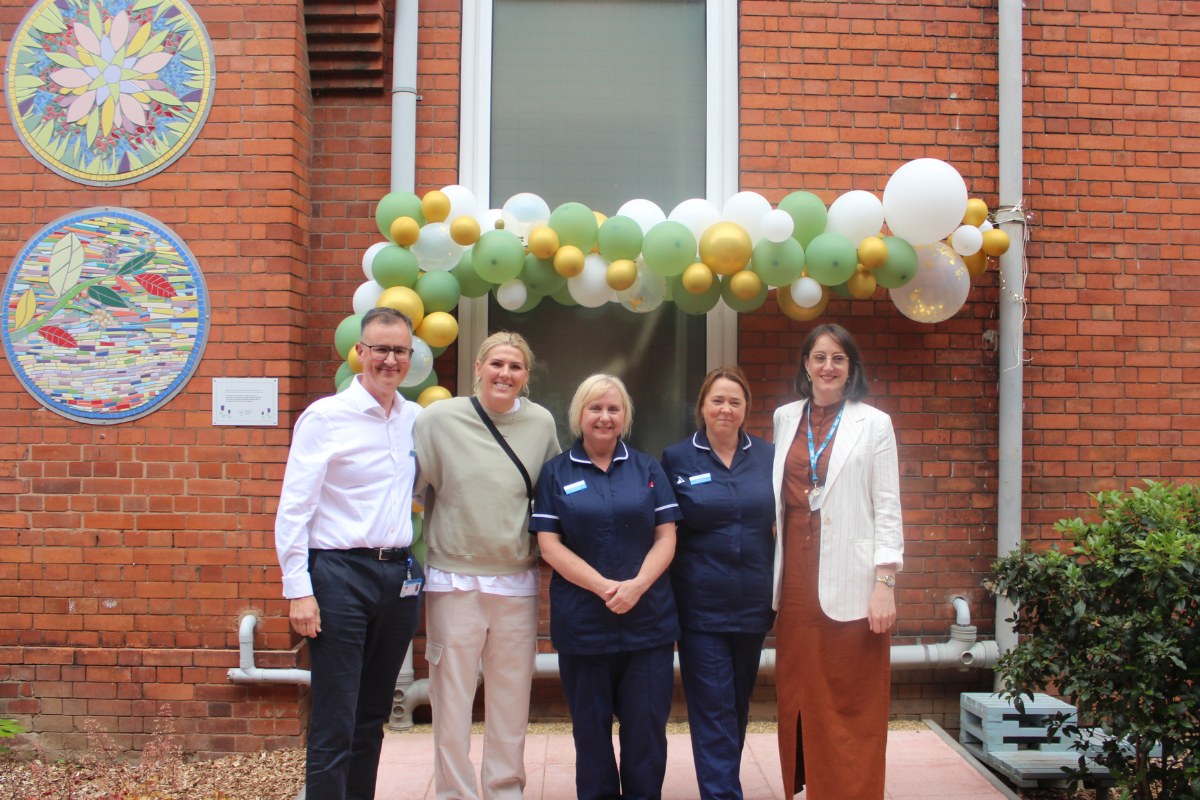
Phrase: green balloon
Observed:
(619, 237)
(418, 548)
(540, 276)
(830, 259)
(669, 248)
(342, 373)
(901, 264)
(469, 282)
(395, 205)
(437, 351)
(736, 303)
(347, 335)
(439, 291)
(563, 297)
(778, 264)
(395, 266)
(345, 384)
(413, 392)
(808, 214)
(690, 303)
(575, 225)
(841, 290)
(499, 256)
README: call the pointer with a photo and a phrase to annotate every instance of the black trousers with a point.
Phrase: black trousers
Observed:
(365, 630)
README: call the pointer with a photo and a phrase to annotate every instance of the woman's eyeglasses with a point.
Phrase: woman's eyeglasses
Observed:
(838, 360)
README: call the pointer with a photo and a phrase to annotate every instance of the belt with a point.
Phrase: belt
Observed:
(376, 553)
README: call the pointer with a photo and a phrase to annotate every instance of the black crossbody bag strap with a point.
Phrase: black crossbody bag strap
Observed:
(491, 426)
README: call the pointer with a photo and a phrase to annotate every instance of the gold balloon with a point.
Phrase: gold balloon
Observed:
(352, 360)
(600, 220)
(435, 206)
(745, 285)
(405, 301)
(405, 231)
(697, 278)
(438, 329)
(417, 508)
(465, 231)
(995, 242)
(788, 306)
(976, 264)
(872, 252)
(725, 247)
(568, 261)
(425, 400)
(621, 274)
(861, 284)
(977, 211)
(543, 241)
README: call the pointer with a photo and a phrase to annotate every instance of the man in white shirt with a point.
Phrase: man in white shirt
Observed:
(343, 532)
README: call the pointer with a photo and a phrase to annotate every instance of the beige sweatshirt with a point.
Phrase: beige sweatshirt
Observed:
(476, 510)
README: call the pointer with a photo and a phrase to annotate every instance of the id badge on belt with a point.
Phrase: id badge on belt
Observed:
(412, 586)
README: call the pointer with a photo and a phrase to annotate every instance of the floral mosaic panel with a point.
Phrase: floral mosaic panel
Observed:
(104, 315)
(108, 92)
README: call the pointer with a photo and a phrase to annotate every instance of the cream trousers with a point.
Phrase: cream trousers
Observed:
(462, 628)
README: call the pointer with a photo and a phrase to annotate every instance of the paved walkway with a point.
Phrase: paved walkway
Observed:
(919, 765)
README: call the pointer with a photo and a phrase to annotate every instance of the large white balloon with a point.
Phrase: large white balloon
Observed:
(924, 201)
(645, 213)
(747, 209)
(806, 292)
(939, 288)
(697, 214)
(366, 296)
(856, 215)
(647, 293)
(462, 202)
(590, 288)
(369, 258)
(435, 250)
(523, 212)
(487, 219)
(420, 365)
(512, 294)
(967, 240)
(777, 225)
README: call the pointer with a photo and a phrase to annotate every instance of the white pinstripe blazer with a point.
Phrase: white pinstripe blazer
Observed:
(860, 516)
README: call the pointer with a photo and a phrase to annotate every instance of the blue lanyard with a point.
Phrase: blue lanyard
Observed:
(815, 455)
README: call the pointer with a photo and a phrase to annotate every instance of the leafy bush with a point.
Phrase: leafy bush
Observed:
(8, 729)
(1112, 624)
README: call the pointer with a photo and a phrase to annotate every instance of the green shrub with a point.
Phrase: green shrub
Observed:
(1112, 624)
(8, 729)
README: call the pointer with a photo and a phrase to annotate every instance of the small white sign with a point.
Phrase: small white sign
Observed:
(245, 401)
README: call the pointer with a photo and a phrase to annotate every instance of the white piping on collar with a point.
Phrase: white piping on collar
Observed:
(624, 455)
(696, 442)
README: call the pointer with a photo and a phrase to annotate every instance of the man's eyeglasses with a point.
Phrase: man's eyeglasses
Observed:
(380, 352)
(838, 359)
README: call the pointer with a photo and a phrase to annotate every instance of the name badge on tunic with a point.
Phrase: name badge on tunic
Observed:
(697, 479)
(577, 486)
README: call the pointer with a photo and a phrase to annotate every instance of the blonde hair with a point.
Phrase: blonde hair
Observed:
(593, 387)
(504, 338)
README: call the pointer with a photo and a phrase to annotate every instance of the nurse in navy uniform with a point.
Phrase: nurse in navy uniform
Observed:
(605, 517)
(722, 574)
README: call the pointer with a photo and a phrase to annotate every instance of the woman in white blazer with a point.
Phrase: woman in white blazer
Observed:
(838, 547)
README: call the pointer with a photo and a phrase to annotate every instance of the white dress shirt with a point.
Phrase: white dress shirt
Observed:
(349, 479)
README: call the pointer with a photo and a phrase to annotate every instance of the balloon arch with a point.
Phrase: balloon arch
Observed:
(443, 247)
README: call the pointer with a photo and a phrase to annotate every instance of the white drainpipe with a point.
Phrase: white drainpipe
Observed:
(246, 672)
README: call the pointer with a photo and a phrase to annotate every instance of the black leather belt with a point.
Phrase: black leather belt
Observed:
(377, 553)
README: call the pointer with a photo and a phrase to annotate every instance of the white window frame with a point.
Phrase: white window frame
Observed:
(475, 143)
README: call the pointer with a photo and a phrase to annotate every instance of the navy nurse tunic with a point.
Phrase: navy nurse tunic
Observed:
(608, 520)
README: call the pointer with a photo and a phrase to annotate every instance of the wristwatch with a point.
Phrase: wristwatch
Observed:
(889, 580)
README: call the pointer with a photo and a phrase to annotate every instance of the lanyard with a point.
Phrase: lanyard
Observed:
(815, 455)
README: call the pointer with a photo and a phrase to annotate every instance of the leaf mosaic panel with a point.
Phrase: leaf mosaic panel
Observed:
(104, 315)
(108, 92)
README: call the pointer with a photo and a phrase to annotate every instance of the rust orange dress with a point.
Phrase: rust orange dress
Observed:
(833, 679)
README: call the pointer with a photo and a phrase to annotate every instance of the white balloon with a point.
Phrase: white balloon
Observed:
(647, 293)
(523, 212)
(747, 209)
(697, 214)
(806, 292)
(777, 225)
(924, 201)
(939, 288)
(487, 219)
(369, 258)
(420, 365)
(985, 226)
(856, 215)
(366, 296)
(590, 287)
(462, 202)
(435, 250)
(512, 294)
(967, 240)
(643, 212)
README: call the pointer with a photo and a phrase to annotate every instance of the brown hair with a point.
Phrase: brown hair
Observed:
(856, 382)
(728, 373)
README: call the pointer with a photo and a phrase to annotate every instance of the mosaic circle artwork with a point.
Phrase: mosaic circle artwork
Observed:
(105, 315)
(109, 92)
